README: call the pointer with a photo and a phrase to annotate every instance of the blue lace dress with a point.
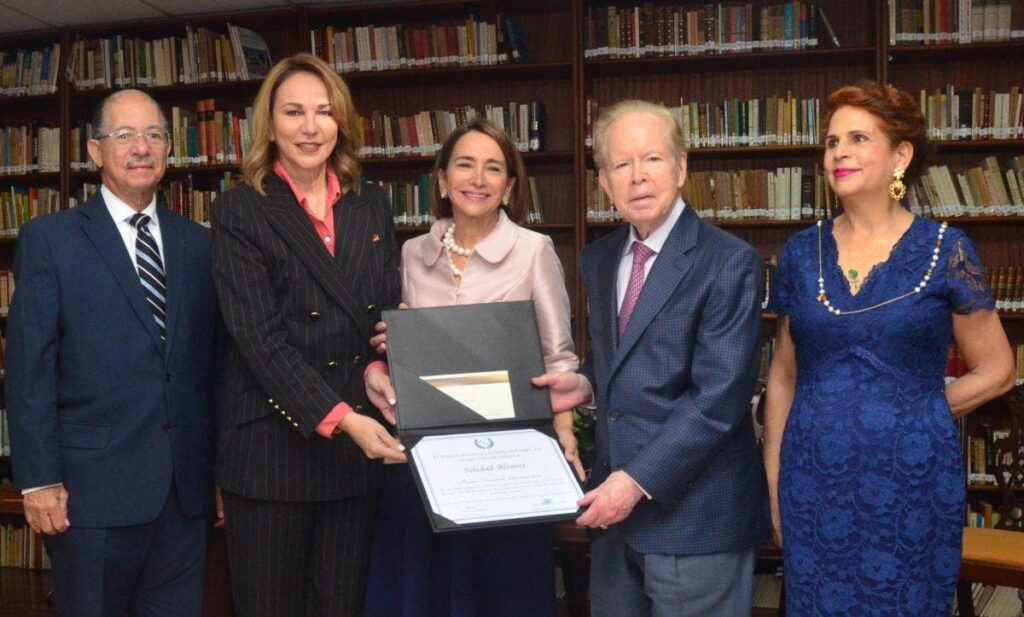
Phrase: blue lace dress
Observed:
(871, 485)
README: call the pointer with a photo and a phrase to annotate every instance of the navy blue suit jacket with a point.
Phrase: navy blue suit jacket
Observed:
(95, 400)
(673, 396)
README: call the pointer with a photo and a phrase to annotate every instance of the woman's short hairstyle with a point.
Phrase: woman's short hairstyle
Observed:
(520, 201)
(259, 161)
(898, 113)
(674, 132)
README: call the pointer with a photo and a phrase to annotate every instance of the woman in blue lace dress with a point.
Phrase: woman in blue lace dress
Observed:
(861, 447)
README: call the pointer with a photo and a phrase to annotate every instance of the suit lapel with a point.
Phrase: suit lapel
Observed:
(101, 230)
(604, 301)
(669, 269)
(173, 240)
(295, 228)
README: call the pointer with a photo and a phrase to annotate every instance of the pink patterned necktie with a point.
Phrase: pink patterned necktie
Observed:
(641, 253)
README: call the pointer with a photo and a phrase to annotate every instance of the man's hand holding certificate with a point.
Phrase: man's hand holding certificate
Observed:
(478, 431)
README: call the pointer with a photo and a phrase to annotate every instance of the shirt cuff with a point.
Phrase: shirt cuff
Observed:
(376, 365)
(642, 490)
(26, 491)
(333, 419)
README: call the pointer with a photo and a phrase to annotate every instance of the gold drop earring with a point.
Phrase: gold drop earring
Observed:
(897, 190)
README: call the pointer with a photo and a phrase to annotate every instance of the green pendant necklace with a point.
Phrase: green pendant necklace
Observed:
(853, 274)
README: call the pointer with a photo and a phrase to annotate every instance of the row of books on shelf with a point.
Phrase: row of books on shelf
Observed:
(203, 135)
(995, 601)
(677, 29)
(6, 290)
(946, 22)
(29, 73)
(797, 193)
(19, 204)
(780, 194)
(20, 547)
(772, 121)
(964, 114)
(988, 189)
(1007, 285)
(422, 134)
(411, 202)
(209, 136)
(404, 46)
(180, 196)
(989, 453)
(200, 56)
(5, 434)
(28, 149)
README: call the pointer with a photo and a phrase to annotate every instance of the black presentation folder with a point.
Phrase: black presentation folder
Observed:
(472, 338)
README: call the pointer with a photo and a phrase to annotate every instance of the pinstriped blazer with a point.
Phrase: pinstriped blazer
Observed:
(673, 395)
(300, 323)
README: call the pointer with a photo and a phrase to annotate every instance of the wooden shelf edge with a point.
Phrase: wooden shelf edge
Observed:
(10, 500)
(977, 145)
(911, 54)
(989, 488)
(30, 178)
(472, 72)
(554, 156)
(31, 99)
(609, 67)
(177, 91)
(321, 13)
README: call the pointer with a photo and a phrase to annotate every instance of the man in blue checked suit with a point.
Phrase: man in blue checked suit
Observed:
(111, 364)
(677, 496)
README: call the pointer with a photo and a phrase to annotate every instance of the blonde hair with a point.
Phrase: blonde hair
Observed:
(635, 106)
(259, 161)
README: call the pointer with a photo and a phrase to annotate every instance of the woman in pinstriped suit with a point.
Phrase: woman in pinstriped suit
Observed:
(304, 259)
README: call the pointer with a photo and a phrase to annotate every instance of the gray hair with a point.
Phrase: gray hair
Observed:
(609, 115)
(99, 120)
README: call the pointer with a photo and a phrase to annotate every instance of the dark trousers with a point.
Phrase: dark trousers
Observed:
(298, 559)
(625, 582)
(155, 569)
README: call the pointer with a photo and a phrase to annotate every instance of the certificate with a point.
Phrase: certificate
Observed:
(495, 476)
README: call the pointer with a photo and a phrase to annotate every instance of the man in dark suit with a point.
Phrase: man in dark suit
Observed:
(110, 360)
(677, 494)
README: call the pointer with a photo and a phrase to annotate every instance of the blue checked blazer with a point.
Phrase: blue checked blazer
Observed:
(673, 396)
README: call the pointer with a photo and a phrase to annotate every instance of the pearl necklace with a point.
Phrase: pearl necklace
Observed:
(448, 240)
(823, 298)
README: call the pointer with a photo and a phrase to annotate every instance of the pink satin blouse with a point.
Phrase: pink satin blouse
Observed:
(510, 263)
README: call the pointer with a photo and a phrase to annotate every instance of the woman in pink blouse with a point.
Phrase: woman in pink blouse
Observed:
(474, 253)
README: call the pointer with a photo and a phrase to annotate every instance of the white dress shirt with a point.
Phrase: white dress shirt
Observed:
(122, 214)
(655, 242)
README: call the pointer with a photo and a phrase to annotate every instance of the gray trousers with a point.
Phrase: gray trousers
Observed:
(625, 583)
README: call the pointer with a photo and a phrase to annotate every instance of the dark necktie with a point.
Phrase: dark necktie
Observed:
(151, 271)
(641, 253)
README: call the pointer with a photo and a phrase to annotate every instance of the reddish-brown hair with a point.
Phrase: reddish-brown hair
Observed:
(898, 113)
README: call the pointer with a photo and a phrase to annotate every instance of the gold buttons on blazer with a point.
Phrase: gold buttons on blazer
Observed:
(314, 315)
(359, 407)
(332, 364)
(356, 359)
(370, 307)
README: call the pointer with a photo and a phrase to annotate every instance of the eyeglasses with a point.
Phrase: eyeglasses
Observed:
(124, 137)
